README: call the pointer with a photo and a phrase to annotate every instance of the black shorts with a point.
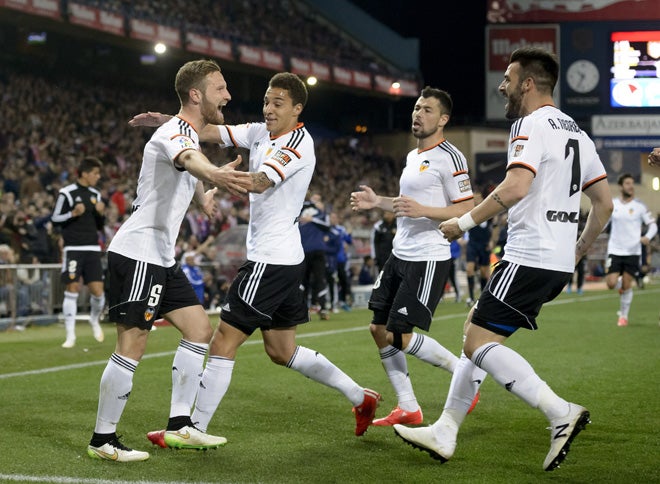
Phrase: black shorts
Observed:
(618, 264)
(140, 293)
(406, 293)
(266, 296)
(477, 254)
(81, 263)
(514, 295)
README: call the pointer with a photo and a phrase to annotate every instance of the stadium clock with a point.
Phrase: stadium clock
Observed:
(582, 76)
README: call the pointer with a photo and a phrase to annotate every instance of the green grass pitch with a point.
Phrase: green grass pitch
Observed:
(283, 428)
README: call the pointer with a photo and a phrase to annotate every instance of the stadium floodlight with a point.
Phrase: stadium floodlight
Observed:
(655, 183)
(160, 48)
(311, 81)
(396, 85)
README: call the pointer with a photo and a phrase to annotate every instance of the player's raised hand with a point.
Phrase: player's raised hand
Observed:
(208, 205)
(654, 157)
(232, 180)
(150, 118)
(364, 199)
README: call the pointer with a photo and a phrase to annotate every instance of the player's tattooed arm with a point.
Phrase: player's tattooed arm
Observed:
(260, 182)
(497, 198)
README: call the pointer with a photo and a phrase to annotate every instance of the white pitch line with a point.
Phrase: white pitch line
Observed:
(77, 480)
(462, 314)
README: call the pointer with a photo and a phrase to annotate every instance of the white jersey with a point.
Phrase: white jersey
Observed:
(626, 227)
(542, 227)
(436, 177)
(164, 193)
(288, 160)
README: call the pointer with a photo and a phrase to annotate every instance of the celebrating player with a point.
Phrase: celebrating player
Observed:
(551, 161)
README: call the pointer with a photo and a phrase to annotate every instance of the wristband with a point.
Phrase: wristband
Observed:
(466, 222)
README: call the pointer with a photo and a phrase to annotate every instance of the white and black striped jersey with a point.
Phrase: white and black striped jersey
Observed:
(436, 177)
(626, 227)
(164, 193)
(288, 160)
(542, 227)
(80, 232)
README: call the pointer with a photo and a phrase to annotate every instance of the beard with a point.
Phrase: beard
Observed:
(514, 104)
(211, 113)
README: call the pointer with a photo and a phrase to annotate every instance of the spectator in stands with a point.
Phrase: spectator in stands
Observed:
(79, 210)
(382, 235)
(343, 295)
(7, 299)
(314, 225)
(194, 274)
(368, 272)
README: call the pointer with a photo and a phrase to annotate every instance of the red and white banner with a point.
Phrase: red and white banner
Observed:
(321, 71)
(301, 67)
(43, 8)
(209, 46)
(95, 18)
(362, 79)
(522, 11)
(153, 32)
(342, 76)
(260, 57)
(304, 67)
(501, 41)
(386, 84)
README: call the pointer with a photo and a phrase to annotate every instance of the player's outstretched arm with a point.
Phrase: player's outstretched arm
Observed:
(366, 199)
(225, 177)
(405, 206)
(150, 118)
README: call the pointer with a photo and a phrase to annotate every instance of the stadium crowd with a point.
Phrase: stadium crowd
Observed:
(49, 124)
(289, 27)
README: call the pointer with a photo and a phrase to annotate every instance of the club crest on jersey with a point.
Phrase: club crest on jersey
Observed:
(149, 314)
(424, 166)
(269, 151)
(282, 158)
(93, 200)
(185, 143)
(464, 185)
(517, 150)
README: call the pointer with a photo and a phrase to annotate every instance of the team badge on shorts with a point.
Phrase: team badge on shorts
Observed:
(149, 314)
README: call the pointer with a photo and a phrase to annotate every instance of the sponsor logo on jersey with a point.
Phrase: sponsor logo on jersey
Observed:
(517, 150)
(282, 158)
(464, 185)
(424, 166)
(149, 314)
(560, 216)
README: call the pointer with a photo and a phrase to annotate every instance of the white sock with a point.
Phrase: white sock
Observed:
(314, 365)
(212, 388)
(96, 304)
(70, 310)
(514, 373)
(396, 368)
(463, 388)
(116, 385)
(430, 351)
(187, 369)
(625, 302)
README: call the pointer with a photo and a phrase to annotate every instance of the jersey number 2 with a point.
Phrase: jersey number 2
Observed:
(573, 144)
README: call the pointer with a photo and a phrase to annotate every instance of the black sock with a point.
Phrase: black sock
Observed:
(176, 423)
(99, 439)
